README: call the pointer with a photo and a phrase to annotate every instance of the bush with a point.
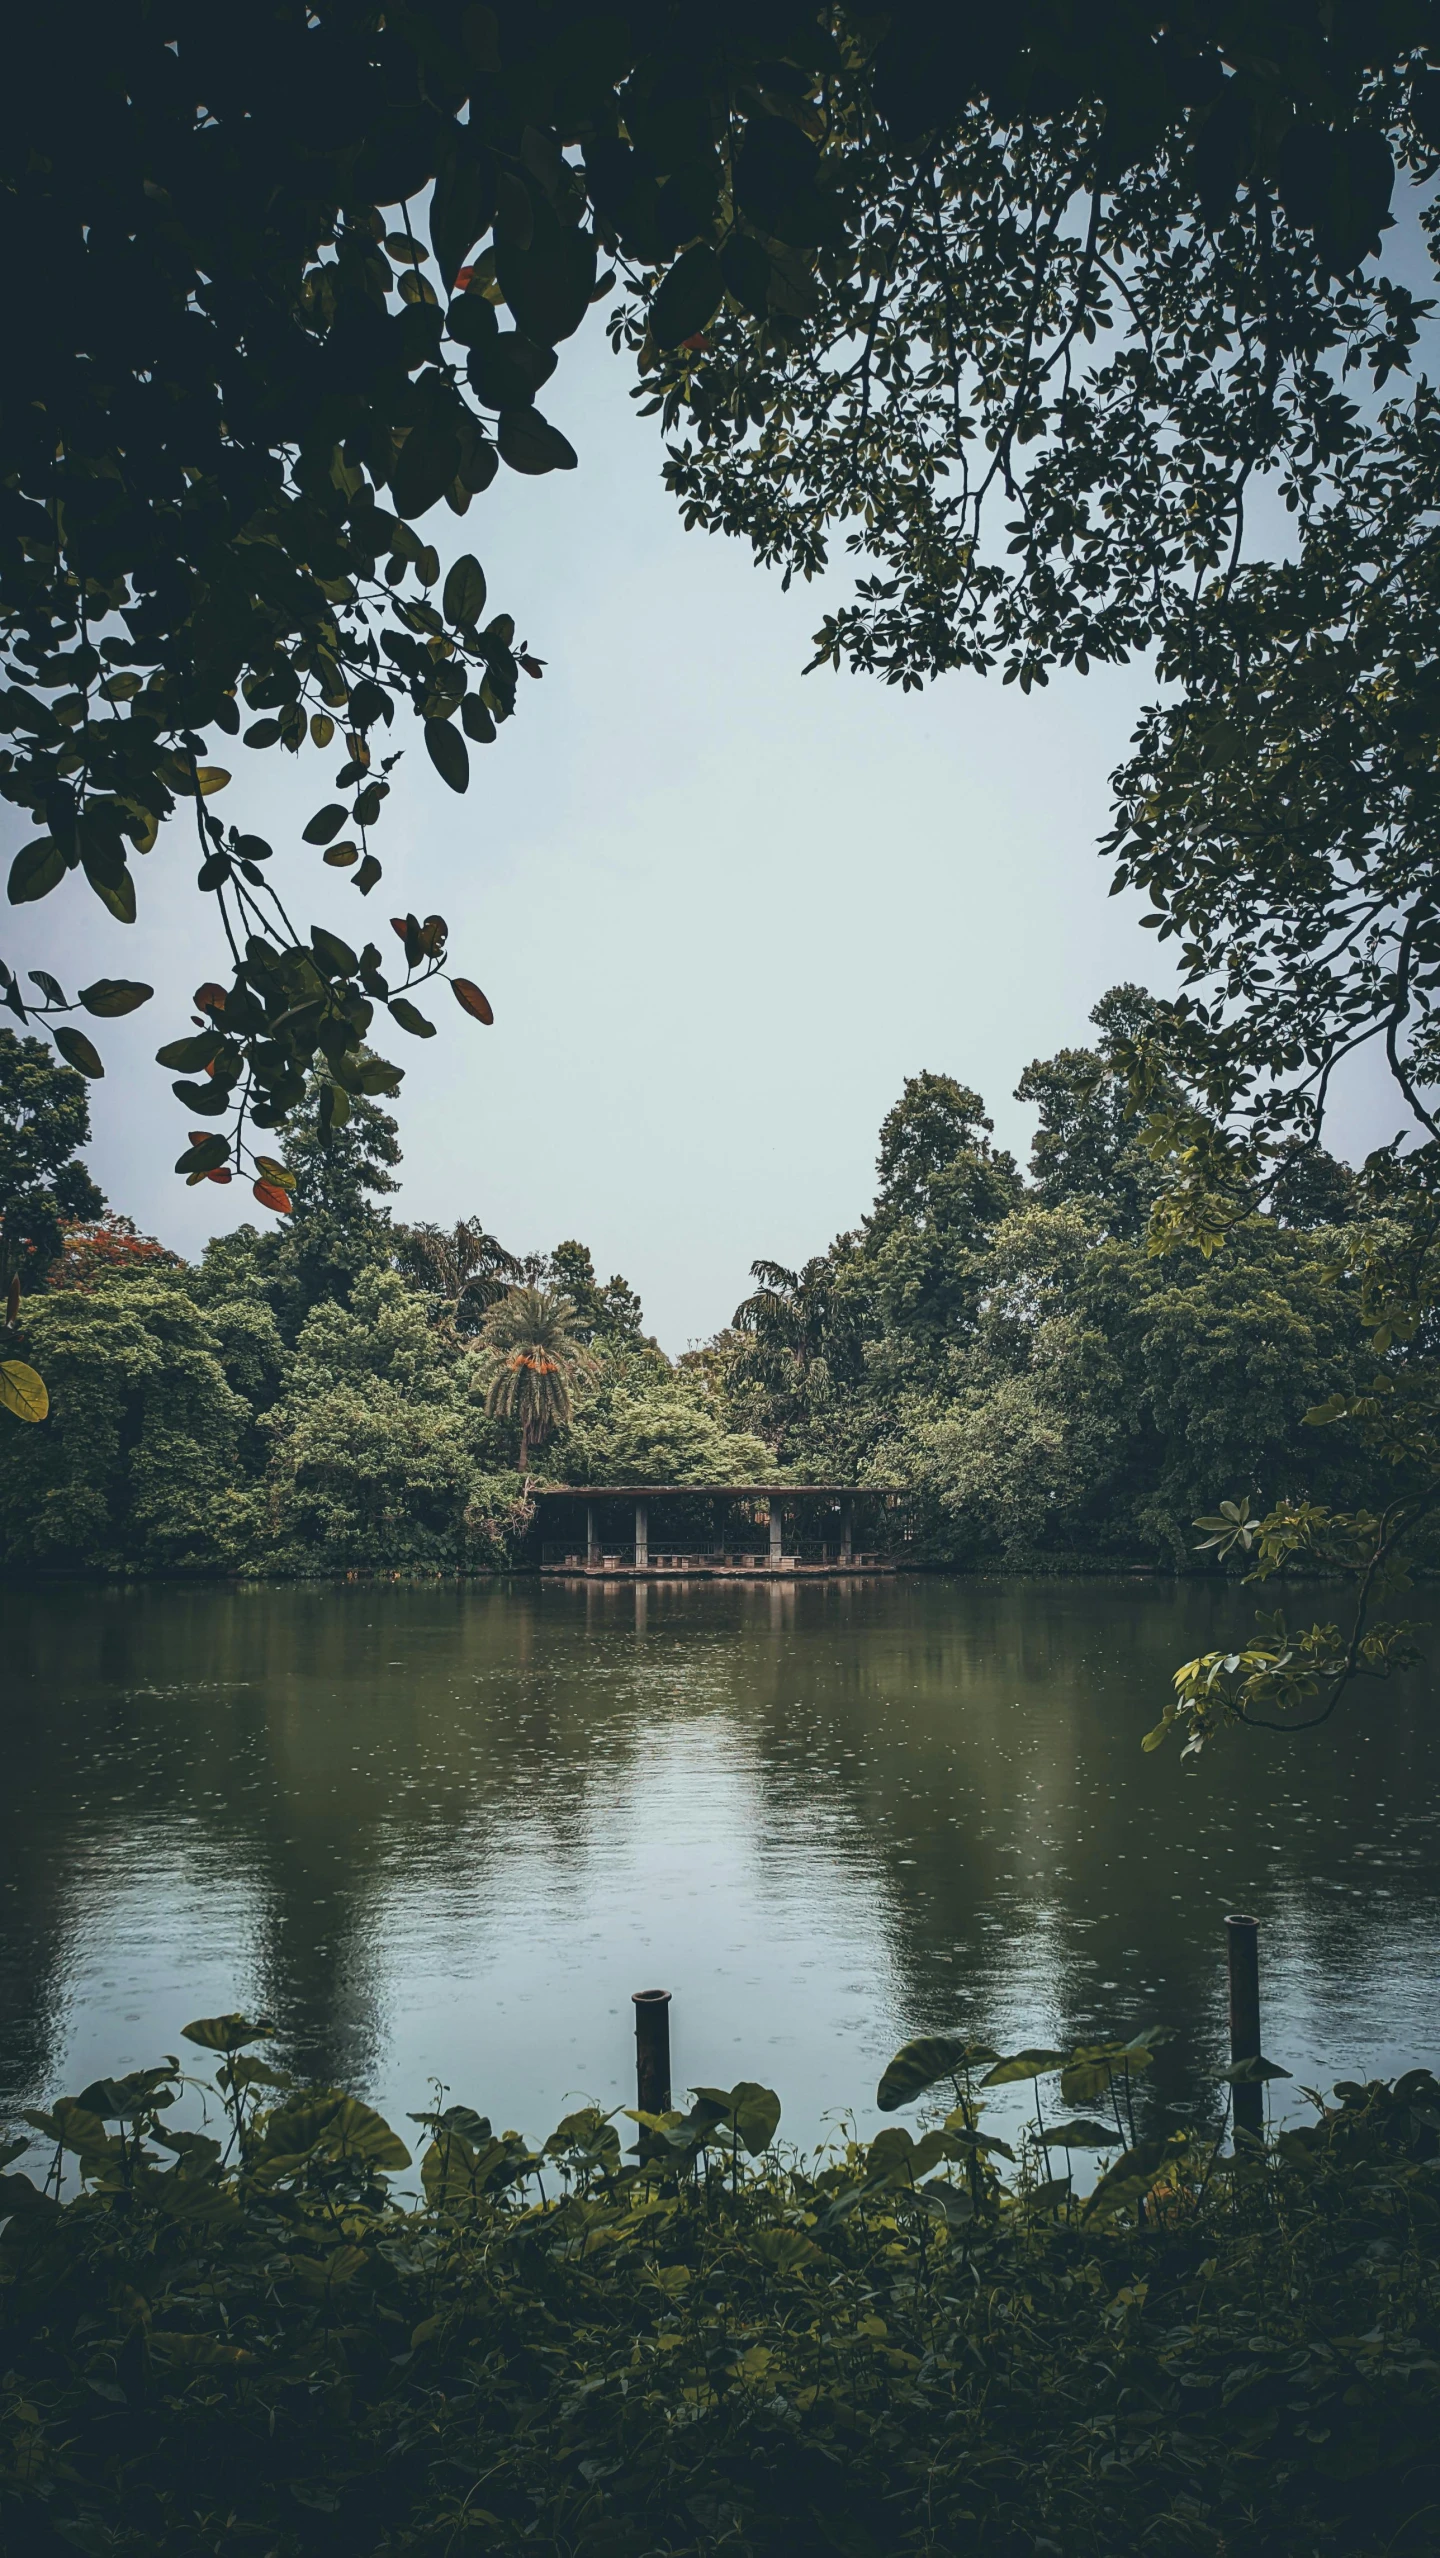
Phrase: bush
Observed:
(254, 2342)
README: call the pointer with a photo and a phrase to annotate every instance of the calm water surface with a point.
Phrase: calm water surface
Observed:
(444, 1833)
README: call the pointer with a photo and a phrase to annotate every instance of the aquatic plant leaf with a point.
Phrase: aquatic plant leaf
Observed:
(1037, 2061)
(753, 2110)
(1133, 2173)
(227, 2033)
(923, 2062)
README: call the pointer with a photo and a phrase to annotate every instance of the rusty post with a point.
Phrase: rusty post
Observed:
(652, 2050)
(1242, 1961)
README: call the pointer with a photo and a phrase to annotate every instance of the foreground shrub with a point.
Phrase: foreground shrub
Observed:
(255, 2342)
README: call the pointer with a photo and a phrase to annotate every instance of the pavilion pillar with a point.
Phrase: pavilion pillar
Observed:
(847, 1528)
(777, 1534)
(592, 1542)
(642, 1536)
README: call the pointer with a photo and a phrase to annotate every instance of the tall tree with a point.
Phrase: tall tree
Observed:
(44, 1121)
(612, 1313)
(534, 1362)
(1087, 1143)
(465, 1268)
(942, 1190)
(1043, 299)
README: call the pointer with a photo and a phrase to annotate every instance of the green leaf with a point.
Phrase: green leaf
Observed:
(207, 1154)
(783, 2250)
(78, 2130)
(463, 600)
(448, 753)
(746, 272)
(965, 2137)
(121, 2100)
(111, 996)
(462, 206)
(410, 1018)
(753, 2110)
(1035, 2062)
(1094, 2068)
(189, 1056)
(341, 2125)
(549, 278)
(78, 1051)
(366, 875)
(952, 2202)
(448, 2173)
(1046, 2196)
(922, 2063)
(112, 884)
(1081, 2134)
(22, 1391)
(206, 1101)
(226, 2033)
(893, 2152)
(377, 1075)
(37, 868)
(689, 297)
(326, 823)
(331, 947)
(529, 443)
(429, 461)
(1133, 2173)
(1254, 2071)
(507, 370)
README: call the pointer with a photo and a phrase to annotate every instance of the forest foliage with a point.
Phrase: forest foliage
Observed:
(339, 1393)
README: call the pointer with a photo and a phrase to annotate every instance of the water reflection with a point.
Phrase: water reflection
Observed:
(447, 1831)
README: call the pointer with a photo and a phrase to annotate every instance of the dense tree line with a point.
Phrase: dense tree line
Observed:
(1008, 1347)
(322, 1396)
(346, 1391)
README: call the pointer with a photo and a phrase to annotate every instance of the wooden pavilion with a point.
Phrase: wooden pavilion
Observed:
(719, 1530)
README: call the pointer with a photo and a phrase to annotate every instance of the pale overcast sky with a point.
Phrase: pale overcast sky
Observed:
(721, 911)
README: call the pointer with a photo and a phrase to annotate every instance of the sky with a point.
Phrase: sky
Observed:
(721, 909)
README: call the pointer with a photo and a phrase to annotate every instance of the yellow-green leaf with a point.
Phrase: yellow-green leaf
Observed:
(22, 1392)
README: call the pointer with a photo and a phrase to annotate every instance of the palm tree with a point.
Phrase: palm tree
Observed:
(466, 1268)
(789, 1312)
(535, 1360)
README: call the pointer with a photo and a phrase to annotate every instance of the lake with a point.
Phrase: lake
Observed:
(441, 1832)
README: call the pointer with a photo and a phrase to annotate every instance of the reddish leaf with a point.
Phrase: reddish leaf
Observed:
(470, 999)
(219, 1176)
(210, 998)
(270, 1195)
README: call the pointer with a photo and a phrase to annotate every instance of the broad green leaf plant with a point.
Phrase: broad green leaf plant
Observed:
(663, 2331)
